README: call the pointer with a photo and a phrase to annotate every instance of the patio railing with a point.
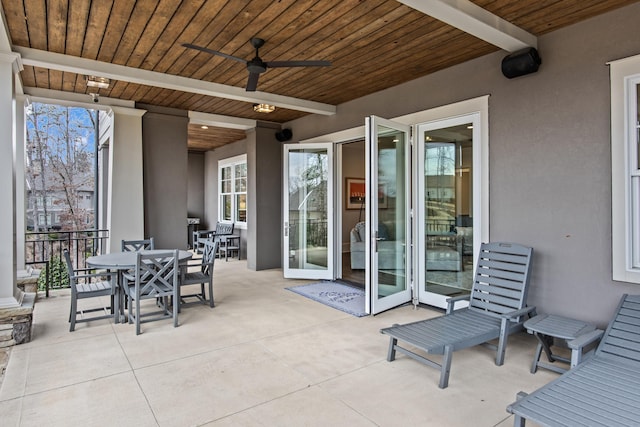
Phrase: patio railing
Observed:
(45, 248)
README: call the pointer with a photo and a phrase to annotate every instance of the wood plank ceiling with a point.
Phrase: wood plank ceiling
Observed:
(372, 44)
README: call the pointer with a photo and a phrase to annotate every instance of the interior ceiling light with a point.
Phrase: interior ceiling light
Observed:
(99, 82)
(204, 127)
(264, 108)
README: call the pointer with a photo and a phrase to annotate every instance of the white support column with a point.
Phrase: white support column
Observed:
(20, 165)
(125, 198)
(10, 295)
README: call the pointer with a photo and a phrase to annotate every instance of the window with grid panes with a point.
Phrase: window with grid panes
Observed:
(232, 178)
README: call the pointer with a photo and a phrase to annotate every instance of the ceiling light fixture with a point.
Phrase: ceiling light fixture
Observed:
(99, 82)
(204, 127)
(264, 108)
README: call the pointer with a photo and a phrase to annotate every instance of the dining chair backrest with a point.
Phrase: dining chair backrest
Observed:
(156, 274)
(70, 270)
(209, 256)
(137, 245)
(223, 229)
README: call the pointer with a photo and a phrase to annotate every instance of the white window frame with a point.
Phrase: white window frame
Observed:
(625, 171)
(232, 162)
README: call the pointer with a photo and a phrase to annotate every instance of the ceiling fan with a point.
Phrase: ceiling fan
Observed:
(257, 66)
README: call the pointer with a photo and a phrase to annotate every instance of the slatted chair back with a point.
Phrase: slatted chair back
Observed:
(501, 280)
(156, 274)
(621, 340)
(223, 228)
(137, 245)
(209, 257)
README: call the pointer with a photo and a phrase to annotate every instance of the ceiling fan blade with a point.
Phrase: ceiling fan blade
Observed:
(213, 52)
(252, 82)
(277, 64)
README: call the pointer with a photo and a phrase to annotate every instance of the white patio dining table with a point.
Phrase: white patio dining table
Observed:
(123, 261)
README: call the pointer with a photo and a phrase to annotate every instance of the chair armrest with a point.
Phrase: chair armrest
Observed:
(453, 300)
(76, 270)
(88, 276)
(585, 339)
(513, 315)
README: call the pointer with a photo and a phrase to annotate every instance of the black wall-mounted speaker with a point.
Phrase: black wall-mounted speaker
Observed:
(284, 135)
(520, 63)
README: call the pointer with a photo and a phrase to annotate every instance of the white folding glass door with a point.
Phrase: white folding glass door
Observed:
(448, 207)
(388, 236)
(308, 211)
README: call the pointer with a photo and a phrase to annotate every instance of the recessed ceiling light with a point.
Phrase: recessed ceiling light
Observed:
(99, 82)
(204, 127)
(264, 108)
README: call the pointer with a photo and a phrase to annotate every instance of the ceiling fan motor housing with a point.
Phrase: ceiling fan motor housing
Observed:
(256, 66)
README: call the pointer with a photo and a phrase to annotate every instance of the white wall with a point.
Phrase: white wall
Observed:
(353, 162)
(550, 173)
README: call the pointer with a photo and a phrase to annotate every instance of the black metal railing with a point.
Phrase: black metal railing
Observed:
(45, 249)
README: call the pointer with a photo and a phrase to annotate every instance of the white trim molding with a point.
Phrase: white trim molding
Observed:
(474, 20)
(625, 170)
(73, 64)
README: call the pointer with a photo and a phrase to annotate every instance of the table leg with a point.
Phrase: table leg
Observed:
(536, 358)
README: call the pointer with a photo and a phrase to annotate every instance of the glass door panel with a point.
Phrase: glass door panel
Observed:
(308, 211)
(388, 223)
(445, 208)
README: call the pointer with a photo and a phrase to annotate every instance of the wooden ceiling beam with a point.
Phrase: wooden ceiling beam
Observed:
(56, 61)
(474, 20)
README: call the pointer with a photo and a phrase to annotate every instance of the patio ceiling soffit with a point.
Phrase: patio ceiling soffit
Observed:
(73, 64)
(474, 20)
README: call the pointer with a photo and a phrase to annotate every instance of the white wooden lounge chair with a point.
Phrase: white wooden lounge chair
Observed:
(497, 308)
(604, 390)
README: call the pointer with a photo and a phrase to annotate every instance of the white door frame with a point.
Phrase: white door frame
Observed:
(477, 214)
(374, 302)
(475, 105)
(309, 273)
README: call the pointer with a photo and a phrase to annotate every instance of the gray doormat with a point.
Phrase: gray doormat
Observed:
(334, 294)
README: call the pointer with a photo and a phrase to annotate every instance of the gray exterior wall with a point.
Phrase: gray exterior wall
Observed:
(550, 162)
(164, 146)
(261, 242)
(211, 187)
(264, 217)
(195, 185)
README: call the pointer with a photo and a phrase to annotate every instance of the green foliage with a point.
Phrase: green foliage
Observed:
(59, 277)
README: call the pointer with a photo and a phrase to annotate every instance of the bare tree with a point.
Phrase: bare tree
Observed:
(60, 168)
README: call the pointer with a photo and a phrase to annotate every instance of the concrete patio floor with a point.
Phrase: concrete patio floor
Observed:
(264, 356)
